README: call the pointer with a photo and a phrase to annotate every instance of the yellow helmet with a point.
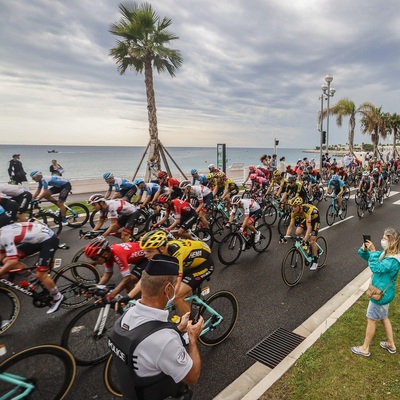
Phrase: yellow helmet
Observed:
(153, 240)
(277, 173)
(296, 201)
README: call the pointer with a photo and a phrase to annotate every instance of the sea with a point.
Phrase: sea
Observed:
(90, 162)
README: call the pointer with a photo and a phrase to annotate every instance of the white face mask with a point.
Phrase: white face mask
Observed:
(384, 244)
(170, 300)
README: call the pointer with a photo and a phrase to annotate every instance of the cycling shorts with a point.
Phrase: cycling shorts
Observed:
(194, 276)
(188, 220)
(314, 226)
(62, 190)
(23, 201)
(137, 269)
(129, 221)
(46, 251)
(128, 193)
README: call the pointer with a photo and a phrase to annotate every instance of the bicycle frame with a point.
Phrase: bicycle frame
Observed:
(19, 382)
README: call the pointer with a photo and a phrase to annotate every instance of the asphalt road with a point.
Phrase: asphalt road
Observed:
(265, 302)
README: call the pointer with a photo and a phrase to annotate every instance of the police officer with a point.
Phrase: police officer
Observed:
(150, 354)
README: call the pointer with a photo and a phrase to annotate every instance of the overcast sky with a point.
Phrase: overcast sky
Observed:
(252, 71)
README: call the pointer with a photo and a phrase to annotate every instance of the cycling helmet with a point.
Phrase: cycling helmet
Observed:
(163, 198)
(97, 247)
(277, 173)
(153, 240)
(296, 201)
(138, 181)
(375, 170)
(253, 176)
(193, 171)
(335, 177)
(161, 174)
(235, 199)
(252, 168)
(35, 173)
(210, 176)
(184, 184)
(291, 178)
(211, 166)
(108, 175)
(365, 173)
(305, 172)
(96, 198)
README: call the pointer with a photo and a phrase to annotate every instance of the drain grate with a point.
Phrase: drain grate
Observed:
(274, 348)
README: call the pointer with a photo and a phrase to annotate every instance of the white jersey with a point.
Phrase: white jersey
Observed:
(13, 190)
(119, 207)
(22, 232)
(249, 206)
(200, 191)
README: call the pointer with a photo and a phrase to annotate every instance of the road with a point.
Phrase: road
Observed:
(265, 302)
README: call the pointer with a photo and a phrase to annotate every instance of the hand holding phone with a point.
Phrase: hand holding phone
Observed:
(366, 237)
(194, 312)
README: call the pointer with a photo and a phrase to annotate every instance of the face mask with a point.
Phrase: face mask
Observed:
(384, 244)
(170, 300)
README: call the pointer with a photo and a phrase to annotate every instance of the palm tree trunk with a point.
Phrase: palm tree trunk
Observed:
(352, 125)
(375, 141)
(394, 150)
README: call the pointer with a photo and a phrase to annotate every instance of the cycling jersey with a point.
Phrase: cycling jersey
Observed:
(13, 190)
(120, 184)
(250, 206)
(124, 254)
(309, 179)
(180, 208)
(52, 180)
(298, 188)
(231, 186)
(117, 207)
(22, 232)
(150, 188)
(307, 212)
(190, 253)
(199, 192)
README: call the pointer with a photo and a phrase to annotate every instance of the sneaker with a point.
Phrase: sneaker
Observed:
(340, 212)
(55, 305)
(314, 266)
(381, 200)
(64, 221)
(257, 237)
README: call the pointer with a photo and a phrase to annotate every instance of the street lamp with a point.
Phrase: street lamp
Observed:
(328, 92)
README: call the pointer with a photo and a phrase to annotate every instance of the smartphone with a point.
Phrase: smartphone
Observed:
(194, 312)
(366, 237)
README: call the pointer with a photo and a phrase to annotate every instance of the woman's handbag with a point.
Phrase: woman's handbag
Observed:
(375, 293)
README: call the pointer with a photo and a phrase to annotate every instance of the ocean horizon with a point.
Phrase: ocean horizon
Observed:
(90, 162)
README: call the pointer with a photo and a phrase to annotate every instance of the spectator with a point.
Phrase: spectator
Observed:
(385, 266)
(56, 168)
(16, 170)
(149, 353)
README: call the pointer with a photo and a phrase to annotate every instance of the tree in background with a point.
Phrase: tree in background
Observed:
(394, 126)
(143, 46)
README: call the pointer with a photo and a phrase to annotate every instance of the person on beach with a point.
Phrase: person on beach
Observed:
(16, 170)
(385, 266)
(55, 168)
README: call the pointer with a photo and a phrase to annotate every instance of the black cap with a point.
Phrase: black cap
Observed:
(161, 264)
(16, 155)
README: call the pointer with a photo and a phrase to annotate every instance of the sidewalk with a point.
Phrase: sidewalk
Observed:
(254, 382)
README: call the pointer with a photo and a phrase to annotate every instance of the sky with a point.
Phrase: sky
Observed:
(252, 72)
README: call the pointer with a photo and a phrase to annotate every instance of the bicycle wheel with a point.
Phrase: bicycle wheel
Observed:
(322, 251)
(292, 267)
(77, 215)
(51, 369)
(68, 279)
(80, 257)
(270, 214)
(140, 226)
(246, 194)
(361, 208)
(205, 236)
(346, 194)
(50, 219)
(226, 305)
(110, 377)
(330, 215)
(387, 190)
(153, 219)
(283, 223)
(94, 219)
(265, 238)
(357, 197)
(344, 209)
(83, 337)
(10, 307)
(230, 248)
(217, 227)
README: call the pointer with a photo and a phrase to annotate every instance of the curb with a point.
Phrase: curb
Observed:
(254, 382)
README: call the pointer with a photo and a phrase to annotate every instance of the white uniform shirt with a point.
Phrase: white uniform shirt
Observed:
(119, 207)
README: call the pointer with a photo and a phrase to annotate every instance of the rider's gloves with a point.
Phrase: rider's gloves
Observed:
(227, 225)
(241, 229)
(282, 239)
(109, 297)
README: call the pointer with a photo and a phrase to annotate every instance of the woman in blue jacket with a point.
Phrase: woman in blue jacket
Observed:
(385, 266)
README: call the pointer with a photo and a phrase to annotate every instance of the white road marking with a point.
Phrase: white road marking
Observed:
(336, 223)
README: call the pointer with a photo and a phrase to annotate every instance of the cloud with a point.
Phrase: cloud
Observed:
(252, 71)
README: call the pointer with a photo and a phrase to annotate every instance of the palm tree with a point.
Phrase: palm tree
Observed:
(394, 125)
(143, 46)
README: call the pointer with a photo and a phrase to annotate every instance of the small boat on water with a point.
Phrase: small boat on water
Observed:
(52, 151)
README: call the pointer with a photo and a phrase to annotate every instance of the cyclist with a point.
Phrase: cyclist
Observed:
(22, 239)
(185, 215)
(124, 255)
(308, 181)
(258, 183)
(377, 177)
(168, 185)
(202, 179)
(366, 184)
(213, 169)
(229, 188)
(121, 212)
(8, 210)
(278, 181)
(252, 211)
(385, 178)
(254, 170)
(49, 185)
(150, 188)
(203, 196)
(123, 188)
(195, 262)
(337, 186)
(294, 188)
(21, 196)
(306, 218)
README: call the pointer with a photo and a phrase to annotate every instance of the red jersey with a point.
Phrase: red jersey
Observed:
(125, 254)
(179, 208)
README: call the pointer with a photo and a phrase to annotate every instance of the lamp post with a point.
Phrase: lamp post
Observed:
(320, 128)
(328, 92)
